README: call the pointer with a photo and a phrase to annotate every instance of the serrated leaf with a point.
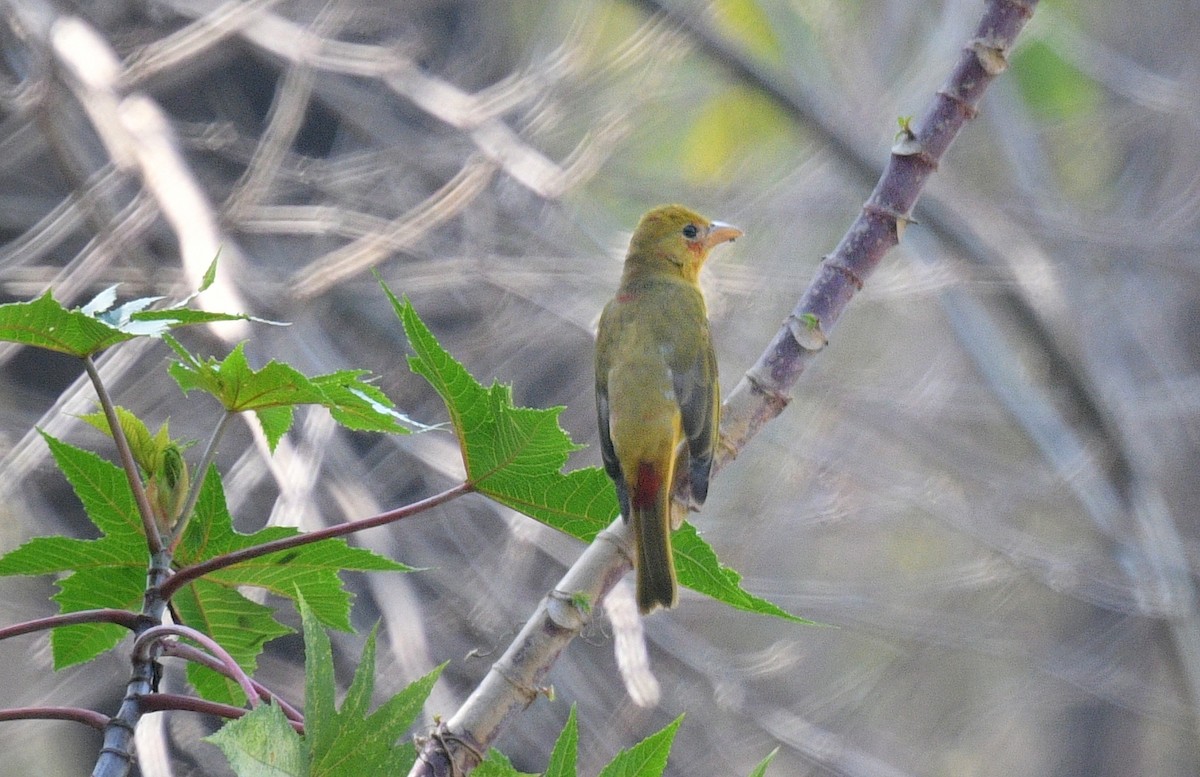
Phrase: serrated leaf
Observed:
(155, 323)
(210, 275)
(351, 741)
(515, 456)
(262, 743)
(699, 569)
(310, 569)
(647, 758)
(147, 449)
(760, 770)
(512, 454)
(241, 626)
(275, 422)
(565, 754)
(496, 764)
(105, 572)
(273, 391)
(44, 323)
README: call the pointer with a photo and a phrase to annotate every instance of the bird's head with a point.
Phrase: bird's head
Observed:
(672, 238)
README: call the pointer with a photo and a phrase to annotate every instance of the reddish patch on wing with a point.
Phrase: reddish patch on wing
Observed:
(649, 483)
(626, 296)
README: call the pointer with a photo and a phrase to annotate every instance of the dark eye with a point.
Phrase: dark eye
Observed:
(690, 231)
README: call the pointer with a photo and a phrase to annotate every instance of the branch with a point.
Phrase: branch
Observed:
(163, 702)
(129, 620)
(151, 643)
(153, 537)
(195, 655)
(188, 574)
(77, 714)
(512, 683)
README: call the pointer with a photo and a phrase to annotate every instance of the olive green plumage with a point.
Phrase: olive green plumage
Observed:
(656, 385)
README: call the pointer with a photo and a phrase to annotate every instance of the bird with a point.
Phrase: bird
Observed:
(658, 401)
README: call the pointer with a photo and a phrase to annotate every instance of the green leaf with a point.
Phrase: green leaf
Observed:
(111, 571)
(515, 456)
(512, 454)
(699, 569)
(214, 604)
(262, 743)
(761, 769)
(564, 755)
(275, 390)
(647, 758)
(105, 572)
(147, 449)
(496, 764)
(240, 625)
(44, 323)
(155, 323)
(351, 741)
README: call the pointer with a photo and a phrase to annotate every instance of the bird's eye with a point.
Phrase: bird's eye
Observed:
(690, 231)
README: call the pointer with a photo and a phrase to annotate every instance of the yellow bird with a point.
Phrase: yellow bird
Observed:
(656, 385)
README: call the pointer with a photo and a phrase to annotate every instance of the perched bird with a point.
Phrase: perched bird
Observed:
(657, 397)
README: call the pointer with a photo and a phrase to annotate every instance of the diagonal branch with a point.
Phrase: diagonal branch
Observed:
(513, 681)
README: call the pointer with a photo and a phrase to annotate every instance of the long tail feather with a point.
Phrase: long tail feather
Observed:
(656, 582)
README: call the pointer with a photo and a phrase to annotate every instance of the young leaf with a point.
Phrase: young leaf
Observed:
(647, 758)
(274, 391)
(147, 449)
(262, 743)
(515, 456)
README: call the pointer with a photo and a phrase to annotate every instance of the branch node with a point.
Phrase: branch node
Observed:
(124, 755)
(449, 742)
(849, 274)
(618, 542)
(775, 398)
(991, 55)
(899, 219)
(964, 106)
(528, 692)
(806, 331)
(568, 610)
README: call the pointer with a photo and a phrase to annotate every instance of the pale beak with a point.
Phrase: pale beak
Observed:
(720, 232)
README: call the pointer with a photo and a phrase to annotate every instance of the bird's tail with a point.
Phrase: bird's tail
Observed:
(656, 583)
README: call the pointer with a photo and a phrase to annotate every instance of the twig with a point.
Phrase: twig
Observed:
(153, 539)
(188, 574)
(129, 620)
(87, 717)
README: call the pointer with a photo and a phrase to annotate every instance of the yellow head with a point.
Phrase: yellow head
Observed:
(675, 240)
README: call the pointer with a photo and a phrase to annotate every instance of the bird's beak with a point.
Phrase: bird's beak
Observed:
(720, 232)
